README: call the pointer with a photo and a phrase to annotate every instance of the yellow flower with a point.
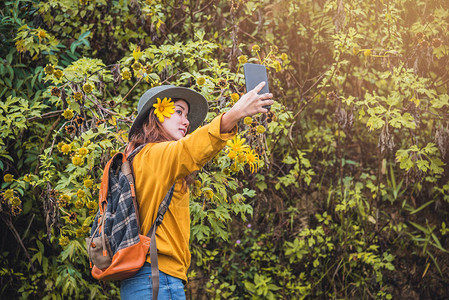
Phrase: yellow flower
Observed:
(65, 198)
(277, 66)
(88, 88)
(27, 178)
(68, 114)
(126, 74)
(252, 158)
(284, 56)
(15, 201)
(64, 241)
(164, 108)
(136, 66)
(232, 154)
(80, 193)
(260, 129)
(137, 54)
(41, 33)
(367, 52)
(235, 97)
(197, 183)
(242, 59)
(49, 69)
(8, 178)
(88, 183)
(209, 194)
(91, 205)
(255, 48)
(66, 148)
(83, 151)
(201, 81)
(247, 120)
(355, 50)
(77, 161)
(58, 74)
(236, 144)
(8, 194)
(78, 96)
(79, 204)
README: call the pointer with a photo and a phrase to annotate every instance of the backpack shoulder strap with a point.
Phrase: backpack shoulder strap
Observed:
(163, 207)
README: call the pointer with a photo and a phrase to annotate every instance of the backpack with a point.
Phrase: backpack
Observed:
(116, 247)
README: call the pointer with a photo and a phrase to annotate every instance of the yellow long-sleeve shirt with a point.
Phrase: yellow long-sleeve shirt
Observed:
(156, 167)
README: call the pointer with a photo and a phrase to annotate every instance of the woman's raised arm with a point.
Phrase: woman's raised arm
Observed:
(250, 104)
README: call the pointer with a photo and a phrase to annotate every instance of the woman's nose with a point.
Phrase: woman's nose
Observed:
(186, 121)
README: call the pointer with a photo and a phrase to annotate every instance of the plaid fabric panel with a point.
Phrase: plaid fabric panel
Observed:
(121, 224)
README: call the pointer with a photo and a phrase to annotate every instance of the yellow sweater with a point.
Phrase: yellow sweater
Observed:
(156, 167)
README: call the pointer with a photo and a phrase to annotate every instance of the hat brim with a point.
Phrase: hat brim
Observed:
(198, 106)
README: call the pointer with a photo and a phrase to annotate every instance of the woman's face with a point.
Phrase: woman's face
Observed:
(177, 125)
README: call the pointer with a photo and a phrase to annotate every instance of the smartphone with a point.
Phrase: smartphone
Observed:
(255, 74)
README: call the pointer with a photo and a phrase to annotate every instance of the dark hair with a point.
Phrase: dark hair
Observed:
(150, 132)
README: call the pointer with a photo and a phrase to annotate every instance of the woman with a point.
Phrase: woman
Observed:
(165, 115)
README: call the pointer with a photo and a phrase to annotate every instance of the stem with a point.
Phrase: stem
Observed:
(19, 240)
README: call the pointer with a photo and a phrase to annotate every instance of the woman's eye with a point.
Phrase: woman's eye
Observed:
(179, 112)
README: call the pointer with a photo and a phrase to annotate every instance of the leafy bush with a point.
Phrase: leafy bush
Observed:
(340, 191)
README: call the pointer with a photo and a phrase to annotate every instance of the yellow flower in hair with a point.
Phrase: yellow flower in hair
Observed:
(164, 108)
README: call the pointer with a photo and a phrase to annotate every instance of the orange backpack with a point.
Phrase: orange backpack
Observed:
(116, 247)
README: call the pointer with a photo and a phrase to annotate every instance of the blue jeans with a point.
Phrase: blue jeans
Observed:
(140, 286)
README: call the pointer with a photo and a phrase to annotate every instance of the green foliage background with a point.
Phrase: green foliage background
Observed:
(351, 197)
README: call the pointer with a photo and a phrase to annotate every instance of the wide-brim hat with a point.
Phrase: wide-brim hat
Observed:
(198, 106)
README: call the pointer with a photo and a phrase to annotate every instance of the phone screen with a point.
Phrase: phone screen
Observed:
(255, 74)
